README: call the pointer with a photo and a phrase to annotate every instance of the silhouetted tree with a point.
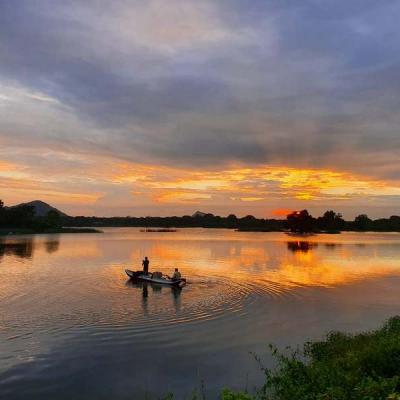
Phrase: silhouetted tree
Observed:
(249, 221)
(230, 221)
(21, 216)
(331, 221)
(362, 222)
(248, 218)
(394, 222)
(300, 221)
(54, 219)
(303, 222)
(2, 212)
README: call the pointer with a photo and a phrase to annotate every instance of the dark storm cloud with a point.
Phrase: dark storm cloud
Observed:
(46, 54)
(298, 83)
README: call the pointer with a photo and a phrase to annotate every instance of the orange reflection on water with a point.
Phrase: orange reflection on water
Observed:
(259, 259)
(289, 264)
(89, 251)
(311, 265)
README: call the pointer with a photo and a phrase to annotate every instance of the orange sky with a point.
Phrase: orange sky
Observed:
(104, 186)
(165, 108)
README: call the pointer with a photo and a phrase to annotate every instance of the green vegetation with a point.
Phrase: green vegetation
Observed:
(332, 222)
(364, 366)
(22, 220)
(298, 222)
(342, 367)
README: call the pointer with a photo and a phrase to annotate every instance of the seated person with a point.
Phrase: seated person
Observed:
(177, 275)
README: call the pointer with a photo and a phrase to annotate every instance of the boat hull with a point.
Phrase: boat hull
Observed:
(139, 275)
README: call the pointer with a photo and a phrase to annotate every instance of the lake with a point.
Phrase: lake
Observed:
(73, 327)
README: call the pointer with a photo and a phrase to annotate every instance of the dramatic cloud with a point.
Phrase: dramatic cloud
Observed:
(186, 91)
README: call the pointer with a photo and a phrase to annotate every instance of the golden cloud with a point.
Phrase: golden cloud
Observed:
(85, 179)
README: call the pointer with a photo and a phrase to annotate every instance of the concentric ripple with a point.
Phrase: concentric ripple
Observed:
(67, 309)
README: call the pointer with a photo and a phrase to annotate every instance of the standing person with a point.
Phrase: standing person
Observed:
(145, 264)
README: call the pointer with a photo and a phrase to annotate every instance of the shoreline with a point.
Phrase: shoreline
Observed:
(147, 229)
(26, 231)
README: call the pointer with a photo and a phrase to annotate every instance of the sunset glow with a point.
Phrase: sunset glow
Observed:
(261, 190)
(183, 182)
(148, 109)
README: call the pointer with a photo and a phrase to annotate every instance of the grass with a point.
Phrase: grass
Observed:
(364, 366)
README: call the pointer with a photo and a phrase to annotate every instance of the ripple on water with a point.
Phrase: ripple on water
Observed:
(66, 310)
(203, 299)
(109, 310)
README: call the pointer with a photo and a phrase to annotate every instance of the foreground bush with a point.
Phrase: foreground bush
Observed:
(343, 367)
(365, 366)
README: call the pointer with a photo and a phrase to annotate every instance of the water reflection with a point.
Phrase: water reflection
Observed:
(332, 246)
(68, 315)
(52, 245)
(275, 264)
(25, 247)
(156, 290)
(302, 246)
(19, 248)
(305, 246)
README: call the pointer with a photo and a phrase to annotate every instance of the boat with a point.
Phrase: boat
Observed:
(155, 277)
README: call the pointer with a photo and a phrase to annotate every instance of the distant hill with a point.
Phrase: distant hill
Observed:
(198, 214)
(41, 208)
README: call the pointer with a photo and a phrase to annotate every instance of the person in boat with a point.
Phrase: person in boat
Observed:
(177, 275)
(145, 264)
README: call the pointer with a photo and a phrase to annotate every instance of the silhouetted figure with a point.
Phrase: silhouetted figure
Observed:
(177, 275)
(145, 264)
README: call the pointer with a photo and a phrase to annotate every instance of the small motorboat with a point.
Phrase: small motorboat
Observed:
(155, 277)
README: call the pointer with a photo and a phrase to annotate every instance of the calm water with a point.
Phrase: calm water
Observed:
(72, 327)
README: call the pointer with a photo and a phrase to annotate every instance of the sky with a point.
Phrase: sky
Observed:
(233, 106)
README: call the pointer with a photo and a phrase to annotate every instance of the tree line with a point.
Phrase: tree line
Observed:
(298, 221)
(331, 222)
(23, 216)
